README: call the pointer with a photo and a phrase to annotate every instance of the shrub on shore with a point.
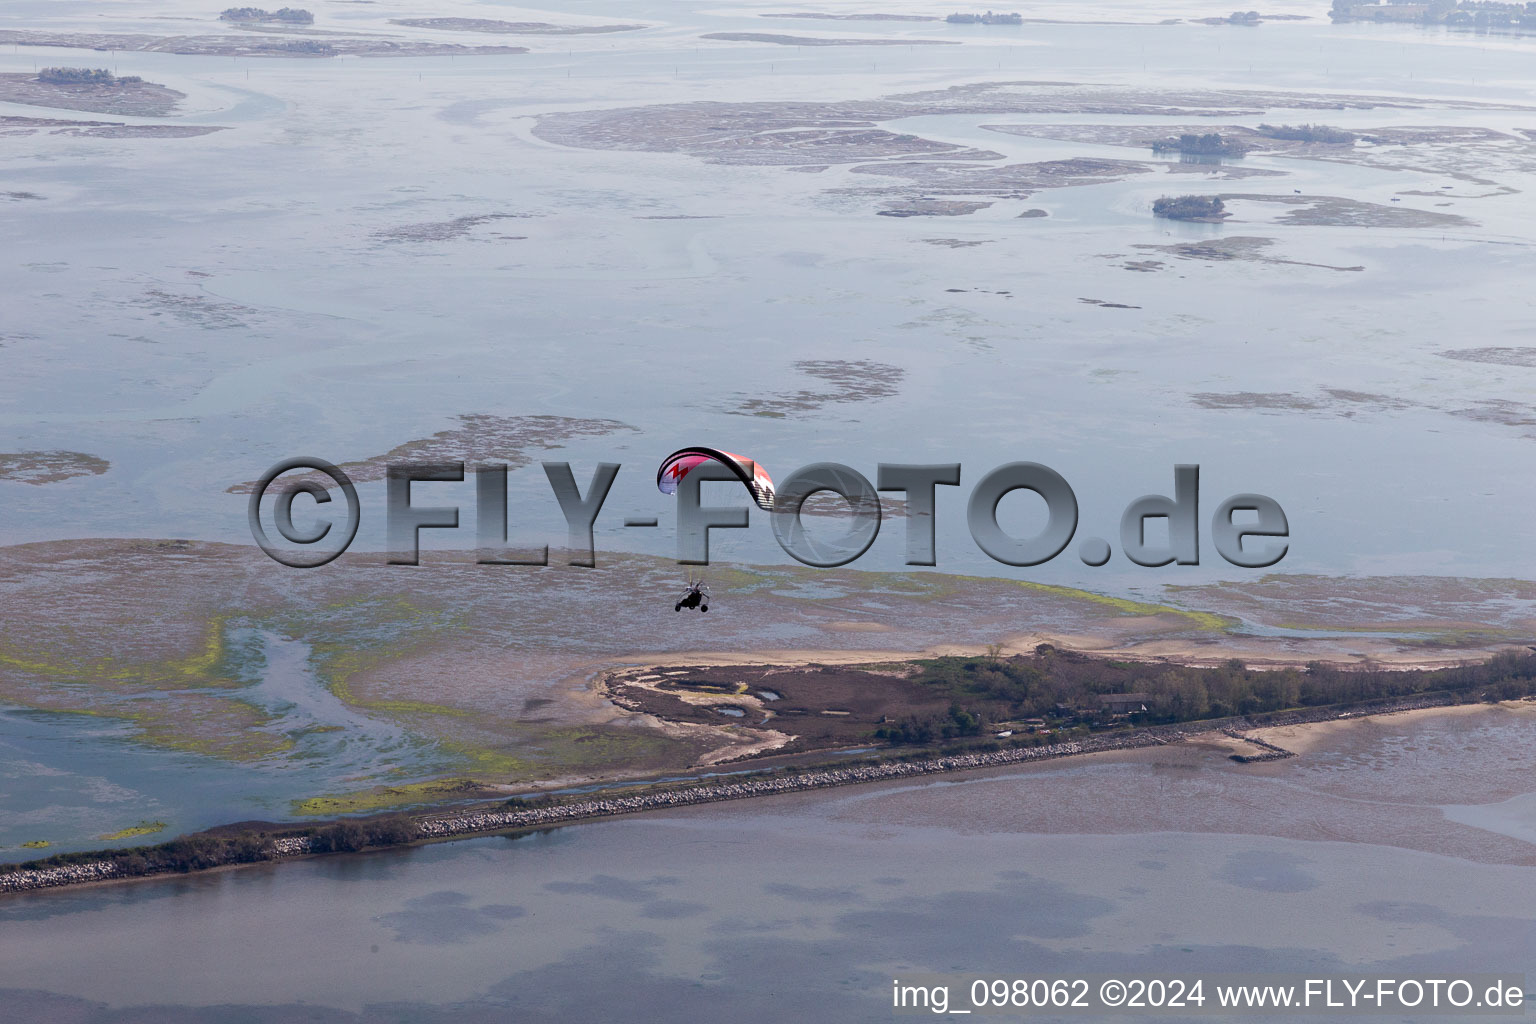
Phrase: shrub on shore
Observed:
(989, 18)
(346, 836)
(1307, 133)
(526, 803)
(189, 853)
(198, 852)
(1063, 689)
(1208, 144)
(307, 46)
(1189, 208)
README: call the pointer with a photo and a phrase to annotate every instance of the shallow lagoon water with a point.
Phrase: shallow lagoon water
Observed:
(194, 310)
(288, 687)
(69, 778)
(804, 906)
(1513, 817)
(334, 325)
(193, 321)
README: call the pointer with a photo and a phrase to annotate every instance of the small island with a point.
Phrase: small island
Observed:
(1473, 14)
(1235, 18)
(988, 18)
(307, 47)
(1207, 209)
(94, 89)
(1307, 133)
(84, 76)
(1208, 144)
(285, 16)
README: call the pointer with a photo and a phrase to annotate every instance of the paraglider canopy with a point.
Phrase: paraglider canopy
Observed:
(685, 460)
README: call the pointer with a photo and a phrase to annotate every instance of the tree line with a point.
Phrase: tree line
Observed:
(1064, 688)
(84, 76)
(290, 15)
(198, 852)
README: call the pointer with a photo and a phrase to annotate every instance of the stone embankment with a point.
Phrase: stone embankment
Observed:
(1271, 751)
(451, 826)
(538, 817)
(447, 826)
(70, 874)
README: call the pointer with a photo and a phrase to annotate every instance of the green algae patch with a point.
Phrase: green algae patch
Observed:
(594, 748)
(200, 724)
(570, 750)
(191, 722)
(336, 664)
(1457, 639)
(352, 637)
(206, 665)
(191, 699)
(493, 762)
(923, 585)
(1125, 606)
(1420, 634)
(740, 580)
(385, 797)
(943, 586)
(99, 670)
(143, 828)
